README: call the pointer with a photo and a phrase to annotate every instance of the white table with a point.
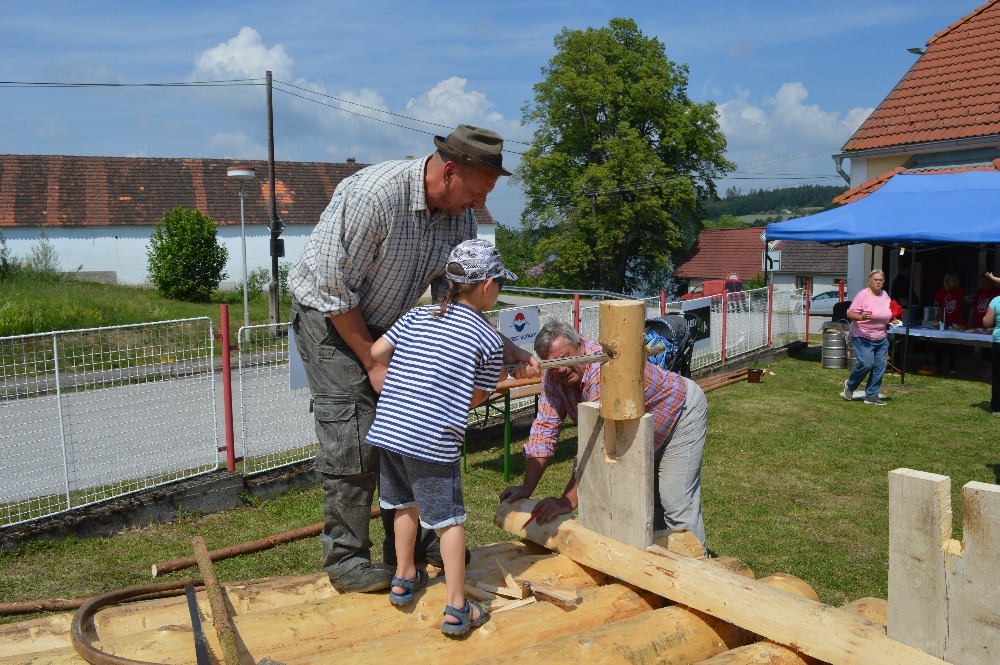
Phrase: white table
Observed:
(947, 336)
(944, 336)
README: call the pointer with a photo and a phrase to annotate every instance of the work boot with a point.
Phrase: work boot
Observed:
(363, 578)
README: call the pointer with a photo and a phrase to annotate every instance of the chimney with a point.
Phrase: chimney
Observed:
(351, 160)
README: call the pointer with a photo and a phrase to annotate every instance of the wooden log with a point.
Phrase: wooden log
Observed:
(252, 596)
(675, 634)
(164, 567)
(869, 609)
(220, 613)
(319, 624)
(51, 632)
(621, 331)
(668, 635)
(815, 629)
(760, 652)
(875, 610)
(615, 475)
(680, 541)
(506, 631)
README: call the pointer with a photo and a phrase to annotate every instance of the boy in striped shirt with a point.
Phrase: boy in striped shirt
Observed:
(445, 358)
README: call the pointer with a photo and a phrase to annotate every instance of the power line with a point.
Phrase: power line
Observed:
(372, 108)
(188, 84)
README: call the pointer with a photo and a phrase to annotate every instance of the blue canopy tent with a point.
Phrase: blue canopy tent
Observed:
(909, 210)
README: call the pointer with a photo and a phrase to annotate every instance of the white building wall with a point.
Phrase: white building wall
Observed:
(123, 250)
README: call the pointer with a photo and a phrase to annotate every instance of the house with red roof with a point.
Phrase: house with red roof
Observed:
(99, 212)
(943, 116)
(723, 253)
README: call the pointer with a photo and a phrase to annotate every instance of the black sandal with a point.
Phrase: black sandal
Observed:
(411, 586)
(464, 616)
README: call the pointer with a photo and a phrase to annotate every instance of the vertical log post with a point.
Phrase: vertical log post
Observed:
(615, 458)
(621, 332)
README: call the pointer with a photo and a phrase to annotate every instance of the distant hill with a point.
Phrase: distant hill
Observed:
(767, 204)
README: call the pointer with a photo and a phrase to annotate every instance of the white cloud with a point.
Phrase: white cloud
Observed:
(449, 103)
(243, 56)
(784, 135)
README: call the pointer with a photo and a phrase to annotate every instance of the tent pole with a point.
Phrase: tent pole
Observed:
(909, 316)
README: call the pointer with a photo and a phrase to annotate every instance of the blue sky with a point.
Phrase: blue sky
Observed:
(792, 80)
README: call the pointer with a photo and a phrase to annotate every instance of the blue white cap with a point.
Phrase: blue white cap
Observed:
(480, 261)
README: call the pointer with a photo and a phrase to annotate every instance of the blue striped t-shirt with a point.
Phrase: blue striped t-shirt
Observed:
(424, 406)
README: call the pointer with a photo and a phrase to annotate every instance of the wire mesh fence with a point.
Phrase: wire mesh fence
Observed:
(275, 424)
(88, 415)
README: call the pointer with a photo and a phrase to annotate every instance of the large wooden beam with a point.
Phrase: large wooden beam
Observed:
(815, 629)
(943, 596)
(615, 475)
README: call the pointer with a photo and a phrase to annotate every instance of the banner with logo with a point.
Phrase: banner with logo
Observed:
(520, 325)
(701, 310)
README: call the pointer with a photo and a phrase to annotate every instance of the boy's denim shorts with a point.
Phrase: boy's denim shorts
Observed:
(435, 488)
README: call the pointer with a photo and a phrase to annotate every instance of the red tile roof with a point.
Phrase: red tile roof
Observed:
(869, 186)
(951, 92)
(56, 190)
(720, 252)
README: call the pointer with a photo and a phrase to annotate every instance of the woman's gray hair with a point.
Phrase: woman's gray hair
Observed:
(553, 329)
(877, 271)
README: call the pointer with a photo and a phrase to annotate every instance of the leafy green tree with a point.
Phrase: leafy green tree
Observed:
(726, 221)
(185, 259)
(620, 160)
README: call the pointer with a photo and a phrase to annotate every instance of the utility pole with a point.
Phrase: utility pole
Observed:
(276, 225)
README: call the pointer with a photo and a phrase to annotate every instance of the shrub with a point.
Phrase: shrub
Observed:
(5, 261)
(257, 282)
(42, 258)
(186, 260)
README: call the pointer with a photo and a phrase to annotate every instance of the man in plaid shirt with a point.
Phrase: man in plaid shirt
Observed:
(680, 417)
(383, 239)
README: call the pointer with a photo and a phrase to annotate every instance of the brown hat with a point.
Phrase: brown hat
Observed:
(477, 147)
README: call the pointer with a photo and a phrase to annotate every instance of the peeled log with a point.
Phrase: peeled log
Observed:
(424, 643)
(875, 610)
(758, 653)
(818, 630)
(669, 635)
(52, 632)
(313, 625)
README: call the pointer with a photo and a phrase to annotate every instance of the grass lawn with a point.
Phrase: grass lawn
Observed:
(794, 481)
(42, 303)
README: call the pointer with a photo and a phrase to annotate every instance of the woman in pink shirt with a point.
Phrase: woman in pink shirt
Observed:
(869, 313)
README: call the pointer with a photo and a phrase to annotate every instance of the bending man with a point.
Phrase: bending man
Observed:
(680, 416)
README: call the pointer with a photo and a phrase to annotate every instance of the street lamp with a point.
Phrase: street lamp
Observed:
(240, 173)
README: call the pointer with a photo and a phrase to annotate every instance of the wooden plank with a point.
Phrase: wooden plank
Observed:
(815, 629)
(621, 333)
(919, 524)
(615, 475)
(973, 595)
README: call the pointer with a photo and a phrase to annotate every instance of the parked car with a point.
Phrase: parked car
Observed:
(820, 304)
(716, 289)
